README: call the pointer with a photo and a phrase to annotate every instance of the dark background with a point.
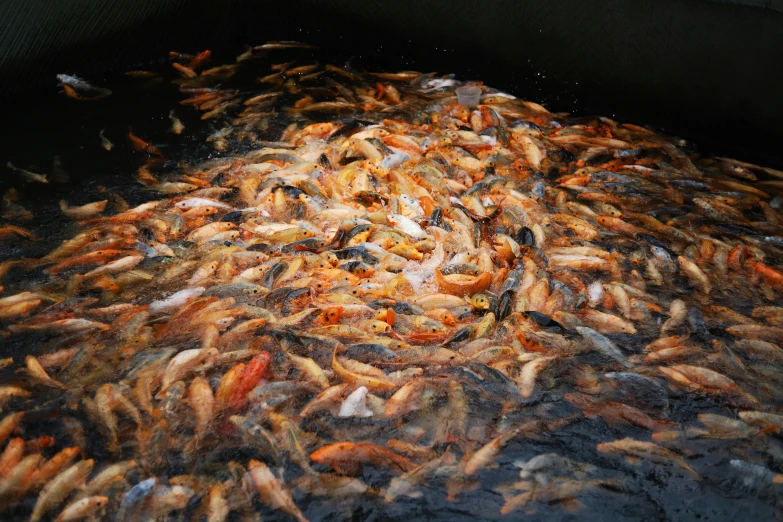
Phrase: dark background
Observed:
(709, 71)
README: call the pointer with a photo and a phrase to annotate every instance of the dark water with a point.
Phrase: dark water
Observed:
(57, 126)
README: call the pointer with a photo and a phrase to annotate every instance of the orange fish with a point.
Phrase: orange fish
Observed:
(251, 375)
(142, 146)
(200, 59)
(616, 413)
(91, 258)
(350, 457)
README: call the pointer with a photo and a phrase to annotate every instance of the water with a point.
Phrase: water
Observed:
(68, 129)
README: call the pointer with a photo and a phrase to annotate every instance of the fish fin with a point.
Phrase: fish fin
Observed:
(348, 468)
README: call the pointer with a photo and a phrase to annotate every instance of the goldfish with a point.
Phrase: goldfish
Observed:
(82, 509)
(348, 457)
(81, 89)
(271, 489)
(27, 175)
(60, 486)
(636, 450)
(85, 211)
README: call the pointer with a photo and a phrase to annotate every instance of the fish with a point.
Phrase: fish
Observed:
(27, 175)
(19, 479)
(636, 451)
(562, 492)
(755, 474)
(176, 124)
(105, 143)
(603, 345)
(60, 326)
(355, 404)
(485, 456)
(135, 496)
(407, 484)
(10, 422)
(176, 300)
(271, 489)
(82, 509)
(349, 457)
(283, 44)
(112, 473)
(202, 401)
(616, 413)
(81, 89)
(60, 486)
(768, 422)
(141, 145)
(720, 427)
(90, 210)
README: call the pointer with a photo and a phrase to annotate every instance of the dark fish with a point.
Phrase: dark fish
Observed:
(542, 319)
(359, 252)
(273, 273)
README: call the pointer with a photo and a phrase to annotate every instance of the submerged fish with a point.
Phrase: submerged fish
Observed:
(27, 175)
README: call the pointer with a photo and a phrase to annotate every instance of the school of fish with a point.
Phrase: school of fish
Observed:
(394, 282)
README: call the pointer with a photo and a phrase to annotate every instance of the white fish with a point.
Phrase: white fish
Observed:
(27, 175)
(546, 464)
(435, 260)
(440, 83)
(82, 86)
(406, 225)
(394, 160)
(144, 207)
(527, 376)
(410, 207)
(355, 405)
(500, 94)
(755, 475)
(595, 292)
(105, 143)
(602, 344)
(200, 202)
(124, 263)
(176, 300)
(85, 211)
(176, 125)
